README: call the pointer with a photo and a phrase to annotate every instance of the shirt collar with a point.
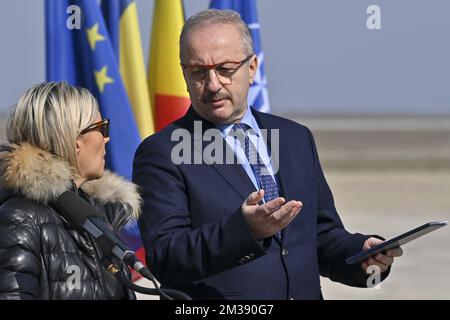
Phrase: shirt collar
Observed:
(247, 119)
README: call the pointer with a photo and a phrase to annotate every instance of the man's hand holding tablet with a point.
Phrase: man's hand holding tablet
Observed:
(382, 253)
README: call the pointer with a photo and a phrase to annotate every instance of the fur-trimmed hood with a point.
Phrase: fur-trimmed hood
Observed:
(42, 177)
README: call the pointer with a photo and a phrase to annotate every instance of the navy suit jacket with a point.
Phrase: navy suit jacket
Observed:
(197, 240)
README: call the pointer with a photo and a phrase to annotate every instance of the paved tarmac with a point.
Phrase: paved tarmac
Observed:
(388, 203)
(382, 143)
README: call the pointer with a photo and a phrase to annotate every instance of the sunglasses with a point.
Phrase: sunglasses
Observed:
(101, 126)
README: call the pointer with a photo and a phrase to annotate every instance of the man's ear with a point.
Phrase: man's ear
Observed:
(253, 67)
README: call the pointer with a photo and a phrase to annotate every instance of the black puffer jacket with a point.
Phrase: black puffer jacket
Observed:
(41, 255)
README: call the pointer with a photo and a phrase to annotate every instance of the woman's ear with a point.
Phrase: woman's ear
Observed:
(78, 145)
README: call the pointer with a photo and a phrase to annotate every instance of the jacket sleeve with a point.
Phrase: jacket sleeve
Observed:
(177, 253)
(335, 243)
(19, 255)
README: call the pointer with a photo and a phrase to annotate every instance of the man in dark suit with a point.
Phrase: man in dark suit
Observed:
(259, 224)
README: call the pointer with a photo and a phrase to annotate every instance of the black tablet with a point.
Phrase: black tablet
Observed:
(397, 241)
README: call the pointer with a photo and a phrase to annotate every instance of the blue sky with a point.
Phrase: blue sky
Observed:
(320, 56)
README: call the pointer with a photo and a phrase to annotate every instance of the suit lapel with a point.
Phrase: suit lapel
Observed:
(233, 174)
(236, 177)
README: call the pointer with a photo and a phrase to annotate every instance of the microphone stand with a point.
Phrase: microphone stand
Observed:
(169, 294)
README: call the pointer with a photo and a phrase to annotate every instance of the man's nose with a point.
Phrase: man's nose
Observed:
(212, 81)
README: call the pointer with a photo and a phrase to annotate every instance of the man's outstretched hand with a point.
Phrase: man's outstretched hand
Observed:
(267, 219)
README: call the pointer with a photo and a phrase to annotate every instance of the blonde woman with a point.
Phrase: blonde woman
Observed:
(56, 142)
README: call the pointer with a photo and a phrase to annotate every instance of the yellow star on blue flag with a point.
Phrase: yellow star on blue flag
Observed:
(102, 79)
(94, 36)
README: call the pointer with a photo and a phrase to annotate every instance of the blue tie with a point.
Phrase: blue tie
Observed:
(259, 169)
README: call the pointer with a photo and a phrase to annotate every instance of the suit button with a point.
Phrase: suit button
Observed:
(284, 252)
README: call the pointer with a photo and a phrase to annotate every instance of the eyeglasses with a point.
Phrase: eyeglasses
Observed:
(224, 70)
(101, 126)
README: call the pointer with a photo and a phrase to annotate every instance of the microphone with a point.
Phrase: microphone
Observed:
(85, 217)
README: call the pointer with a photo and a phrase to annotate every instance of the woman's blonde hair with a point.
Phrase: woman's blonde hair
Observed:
(50, 116)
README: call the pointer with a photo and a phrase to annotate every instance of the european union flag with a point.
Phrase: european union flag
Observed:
(79, 50)
(258, 96)
(84, 56)
(112, 11)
